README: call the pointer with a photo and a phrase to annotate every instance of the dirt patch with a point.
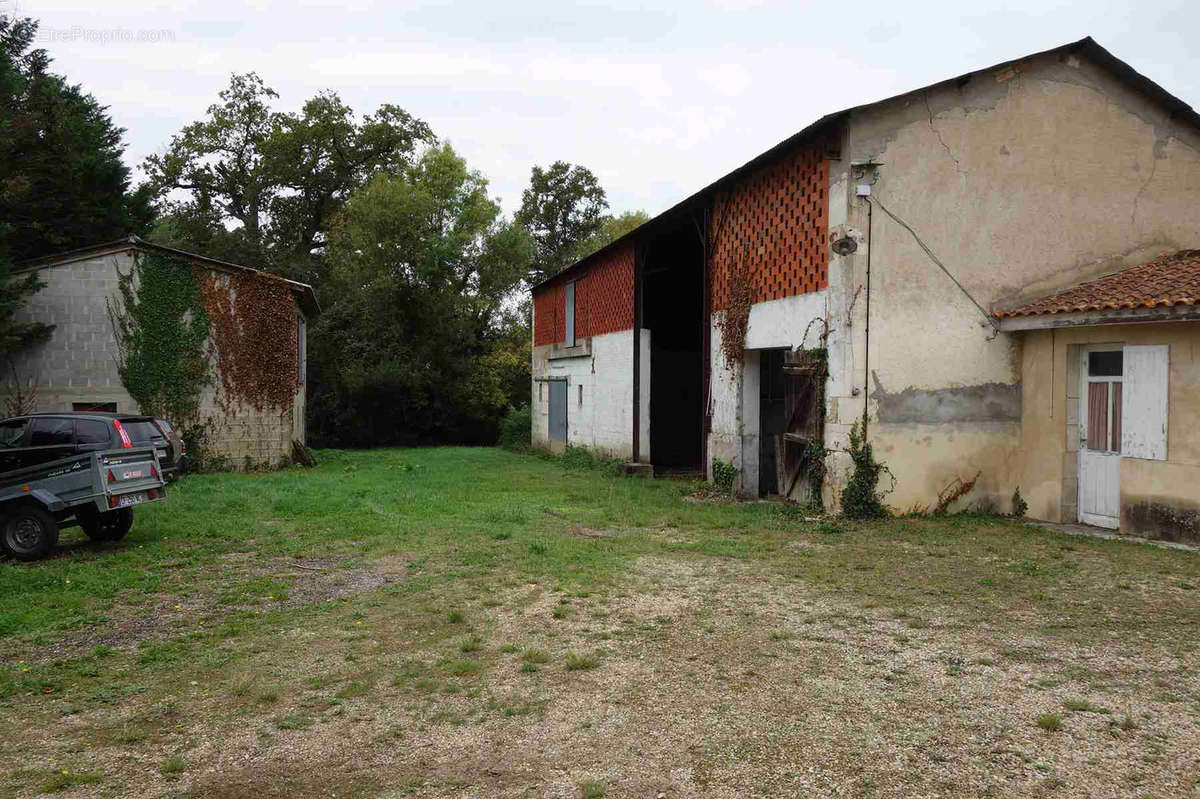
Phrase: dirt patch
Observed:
(163, 616)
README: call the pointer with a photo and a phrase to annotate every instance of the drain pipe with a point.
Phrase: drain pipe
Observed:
(867, 345)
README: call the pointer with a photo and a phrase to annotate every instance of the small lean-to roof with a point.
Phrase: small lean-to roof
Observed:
(1086, 46)
(1167, 281)
(305, 295)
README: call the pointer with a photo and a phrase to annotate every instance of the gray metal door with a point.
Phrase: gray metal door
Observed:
(558, 411)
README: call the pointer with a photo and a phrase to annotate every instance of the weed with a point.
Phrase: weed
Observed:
(464, 668)
(455, 617)
(1080, 705)
(592, 789)
(1050, 722)
(581, 662)
(61, 780)
(173, 766)
(472, 644)
(536, 656)
(353, 689)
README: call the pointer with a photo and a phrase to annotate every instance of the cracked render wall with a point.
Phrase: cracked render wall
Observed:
(1023, 180)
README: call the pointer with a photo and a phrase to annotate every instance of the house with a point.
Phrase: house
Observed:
(899, 265)
(249, 404)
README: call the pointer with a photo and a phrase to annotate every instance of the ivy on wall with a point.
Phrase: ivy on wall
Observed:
(735, 320)
(161, 328)
(254, 336)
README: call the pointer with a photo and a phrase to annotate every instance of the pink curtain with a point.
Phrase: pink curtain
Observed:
(1097, 421)
(1116, 427)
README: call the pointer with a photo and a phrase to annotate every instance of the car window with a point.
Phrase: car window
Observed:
(89, 431)
(51, 430)
(140, 430)
(165, 425)
(11, 432)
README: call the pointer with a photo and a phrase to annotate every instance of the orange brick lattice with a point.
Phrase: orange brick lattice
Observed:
(603, 299)
(777, 226)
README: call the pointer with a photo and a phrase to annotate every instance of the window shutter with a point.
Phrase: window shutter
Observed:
(1144, 405)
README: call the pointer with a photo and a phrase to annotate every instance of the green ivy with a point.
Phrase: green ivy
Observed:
(724, 475)
(162, 331)
(861, 498)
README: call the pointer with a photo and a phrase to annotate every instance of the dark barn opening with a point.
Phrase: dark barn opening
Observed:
(673, 311)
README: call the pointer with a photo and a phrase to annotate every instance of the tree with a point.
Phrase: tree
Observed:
(62, 182)
(611, 229)
(413, 348)
(277, 179)
(563, 206)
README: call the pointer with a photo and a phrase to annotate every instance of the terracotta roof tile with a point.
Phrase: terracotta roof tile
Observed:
(1171, 279)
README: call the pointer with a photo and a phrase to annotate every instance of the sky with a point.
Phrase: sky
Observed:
(657, 99)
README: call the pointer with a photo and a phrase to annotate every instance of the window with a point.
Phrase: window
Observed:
(581, 396)
(90, 431)
(94, 407)
(141, 430)
(301, 348)
(50, 431)
(570, 303)
(1104, 390)
(11, 432)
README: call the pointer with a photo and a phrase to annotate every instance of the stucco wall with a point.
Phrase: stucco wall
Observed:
(1049, 436)
(1022, 181)
(601, 417)
(79, 363)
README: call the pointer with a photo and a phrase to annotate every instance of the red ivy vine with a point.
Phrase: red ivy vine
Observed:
(733, 323)
(253, 323)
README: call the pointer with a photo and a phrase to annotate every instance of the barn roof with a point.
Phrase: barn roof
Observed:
(1086, 46)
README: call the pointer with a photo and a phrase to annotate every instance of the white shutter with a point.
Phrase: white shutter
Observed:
(1144, 409)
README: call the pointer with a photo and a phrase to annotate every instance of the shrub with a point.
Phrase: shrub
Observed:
(861, 498)
(1019, 506)
(515, 428)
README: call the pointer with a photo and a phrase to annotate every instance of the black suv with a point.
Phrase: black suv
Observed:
(42, 437)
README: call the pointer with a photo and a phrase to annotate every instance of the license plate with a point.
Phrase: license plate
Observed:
(125, 500)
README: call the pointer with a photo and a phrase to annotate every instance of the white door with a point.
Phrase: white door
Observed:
(1100, 437)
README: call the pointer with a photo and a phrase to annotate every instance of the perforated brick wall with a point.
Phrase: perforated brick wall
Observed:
(777, 226)
(603, 299)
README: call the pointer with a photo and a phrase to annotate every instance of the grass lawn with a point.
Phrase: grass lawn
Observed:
(475, 623)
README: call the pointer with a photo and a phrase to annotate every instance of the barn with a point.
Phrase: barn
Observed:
(991, 277)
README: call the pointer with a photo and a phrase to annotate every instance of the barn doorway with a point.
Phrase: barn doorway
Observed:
(791, 417)
(673, 311)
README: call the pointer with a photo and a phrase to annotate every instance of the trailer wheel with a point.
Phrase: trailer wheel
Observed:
(29, 533)
(108, 526)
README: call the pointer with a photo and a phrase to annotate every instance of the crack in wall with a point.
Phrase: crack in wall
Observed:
(1137, 198)
(929, 110)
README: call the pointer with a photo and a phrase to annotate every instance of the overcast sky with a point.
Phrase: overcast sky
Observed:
(658, 100)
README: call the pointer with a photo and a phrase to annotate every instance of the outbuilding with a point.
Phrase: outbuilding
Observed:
(248, 364)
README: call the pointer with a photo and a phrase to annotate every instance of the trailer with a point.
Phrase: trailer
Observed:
(95, 490)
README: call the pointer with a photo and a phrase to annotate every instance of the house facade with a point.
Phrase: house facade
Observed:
(252, 404)
(860, 272)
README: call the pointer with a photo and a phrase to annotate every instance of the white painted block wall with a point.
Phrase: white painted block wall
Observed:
(599, 396)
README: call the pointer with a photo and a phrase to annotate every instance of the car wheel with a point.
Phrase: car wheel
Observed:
(29, 533)
(108, 526)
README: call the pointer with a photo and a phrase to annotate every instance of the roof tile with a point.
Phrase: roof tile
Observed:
(1168, 280)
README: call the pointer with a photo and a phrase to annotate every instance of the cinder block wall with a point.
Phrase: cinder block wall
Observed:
(79, 364)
